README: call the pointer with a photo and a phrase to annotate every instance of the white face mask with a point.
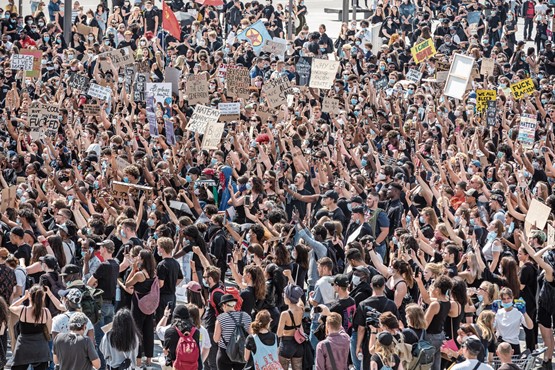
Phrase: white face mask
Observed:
(356, 280)
(381, 177)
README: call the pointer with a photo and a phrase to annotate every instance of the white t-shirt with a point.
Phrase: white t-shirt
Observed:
(541, 9)
(20, 277)
(60, 323)
(470, 364)
(204, 336)
(507, 324)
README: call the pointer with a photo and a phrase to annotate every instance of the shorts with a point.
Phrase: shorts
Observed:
(289, 348)
(546, 318)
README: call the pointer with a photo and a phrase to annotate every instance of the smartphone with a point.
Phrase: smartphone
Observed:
(126, 249)
(169, 305)
(312, 173)
(247, 201)
(229, 258)
(544, 149)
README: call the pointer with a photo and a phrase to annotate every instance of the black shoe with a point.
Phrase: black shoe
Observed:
(547, 365)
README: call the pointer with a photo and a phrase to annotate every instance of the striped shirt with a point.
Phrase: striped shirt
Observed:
(228, 325)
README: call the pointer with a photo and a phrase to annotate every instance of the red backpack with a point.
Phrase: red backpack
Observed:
(187, 352)
(226, 290)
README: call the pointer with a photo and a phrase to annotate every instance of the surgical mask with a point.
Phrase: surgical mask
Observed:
(150, 222)
(153, 207)
(122, 233)
(391, 81)
(294, 254)
(46, 38)
(90, 38)
(480, 298)
(336, 88)
(126, 179)
(188, 178)
(213, 161)
(355, 280)
(323, 50)
(507, 305)
(472, 222)
(23, 199)
(382, 68)
(422, 220)
(155, 236)
(142, 43)
(492, 235)
(70, 56)
(205, 283)
(248, 186)
(470, 171)
(500, 155)
(410, 91)
(354, 101)
(381, 177)
(364, 162)
(457, 219)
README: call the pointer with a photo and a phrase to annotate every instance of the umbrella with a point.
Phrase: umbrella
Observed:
(185, 19)
(210, 2)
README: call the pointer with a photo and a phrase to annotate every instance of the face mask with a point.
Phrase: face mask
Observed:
(150, 222)
(422, 220)
(470, 171)
(142, 43)
(356, 280)
(46, 38)
(457, 113)
(357, 42)
(248, 186)
(322, 50)
(457, 219)
(480, 298)
(354, 101)
(107, 43)
(544, 101)
(507, 305)
(364, 162)
(122, 233)
(336, 88)
(213, 161)
(392, 82)
(492, 235)
(381, 177)
(41, 24)
(205, 283)
(126, 180)
(153, 207)
(472, 222)
(382, 68)
(90, 38)
(188, 178)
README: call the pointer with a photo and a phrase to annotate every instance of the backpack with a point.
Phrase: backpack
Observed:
(332, 254)
(29, 282)
(150, 301)
(91, 303)
(226, 290)
(235, 349)
(422, 354)
(187, 352)
(55, 287)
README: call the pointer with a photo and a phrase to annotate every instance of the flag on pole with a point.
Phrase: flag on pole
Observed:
(256, 34)
(170, 22)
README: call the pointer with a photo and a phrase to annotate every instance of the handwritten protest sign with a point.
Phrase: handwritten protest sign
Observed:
(527, 130)
(323, 73)
(9, 197)
(423, 50)
(264, 112)
(238, 82)
(161, 91)
(275, 46)
(303, 69)
(140, 86)
(84, 30)
(170, 133)
(491, 113)
(21, 62)
(520, 89)
(79, 82)
(414, 75)
(43, 120)
(488, 66)
(229, 111)
(37, 57)
(128, 76)
(482, 98)
(330, 105)
(276, 90)
(99, 92)
(202, 116)
(91, 109)
(151, 115)
(197, 89)
(213, 135)
(119, 57)
(537, 215)
(222, 71)
(550, 234)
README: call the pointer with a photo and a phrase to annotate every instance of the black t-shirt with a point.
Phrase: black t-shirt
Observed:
(169, 271)
(346, 308)
(381, 304)
(412, 335)
(249, 301)
(210, 314)
(171, 337)
(150, 16)
(394, 362)
(107, 275)
(24, 251)
(528, 278)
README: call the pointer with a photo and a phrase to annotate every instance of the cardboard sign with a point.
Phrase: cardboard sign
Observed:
(91, 109)
(423, 50)
(213, 135)
(162, 91)
(170, 133)
(202, 116)
(491, 113)
(381, 83)
(323, 73)
(483, 97)
(172, 76)
(229, 111)
(119, 57)
(128, 76)
(330, 105)
(459, 76)
(99, 92)
(43, 120)
(414, 75)
(37, 57)
(520, 89)
(151, 116)
(527, 130)
(303, 69)
(85, 30)
(222, 71)
(275, 46)
(140, 86)
(264, 112)
(238, 82)
(488, 66)
(197, 89)
(537, 215)
(79, 82)
(21, 62)
(9, 197)
(550, 234)
(276, 90)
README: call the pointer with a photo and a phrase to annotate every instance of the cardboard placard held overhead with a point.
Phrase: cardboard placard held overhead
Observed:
(202, 116)
(140, 86)
(265, 112)
(276, 91)
(99, 92)
(197, 89)
(303, 69)
(238, 82)
(491, 113)
(414, 75)
(9, 197)
(483, 97)
(129, 76)
(423, 50)
(43, 120)
(213, 135)
(527, 130)
(459, 75)
(119, 57)
(21, 62)
(323, 73)
(537, 216)
(170, 132)
(522, 88)
(550, 234)
(91, 109)
(162, 91)
(37, 57)
(85, 30)
(330, 105)
(172, 75)
(79, 82)
(229, 111)
(488, 66)
(275, 46)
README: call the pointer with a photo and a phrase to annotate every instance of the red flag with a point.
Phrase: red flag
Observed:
(170, 22)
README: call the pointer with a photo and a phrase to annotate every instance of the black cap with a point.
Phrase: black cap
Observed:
(359, 210)
(50, 261)
(357, 199)
(70, 270)
(331, 194)
(341, 280)
(474, 345)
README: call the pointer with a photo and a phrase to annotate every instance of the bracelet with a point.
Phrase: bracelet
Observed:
(374, 332)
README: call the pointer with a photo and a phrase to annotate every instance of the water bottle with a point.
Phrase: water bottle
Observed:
(118, 293)
(359, 356)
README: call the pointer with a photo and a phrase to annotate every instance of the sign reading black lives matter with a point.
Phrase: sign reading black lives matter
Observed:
(202, 116)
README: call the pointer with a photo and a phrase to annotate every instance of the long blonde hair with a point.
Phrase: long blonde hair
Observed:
(485, 323)
(386, 353)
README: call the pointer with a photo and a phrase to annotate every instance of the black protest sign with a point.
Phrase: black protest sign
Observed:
(303, 68)
(491, 113)
(79, 82)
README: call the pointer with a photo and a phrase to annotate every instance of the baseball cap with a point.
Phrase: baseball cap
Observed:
(477, 163)
(473, 344)
(193, 286)
(108, 244)
(331, 194)
(63, 227)
(358, 210)
(498, 197)
(357, 199)
(79, 319)
(73, 295)
(293, 293)
(341, 280)
(70, 270)
(50, 261)
(385, 338)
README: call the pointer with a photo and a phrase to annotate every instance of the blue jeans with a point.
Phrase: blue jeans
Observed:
(354, 358)
(380, 249)
(106, 318)
(436, 340)
(313, 340)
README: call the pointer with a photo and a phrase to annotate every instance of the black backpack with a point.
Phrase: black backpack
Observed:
(235, 348)
(91, 303)
(338, 264)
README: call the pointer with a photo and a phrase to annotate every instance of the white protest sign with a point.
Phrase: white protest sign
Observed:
(276, 90)
(414, 75)
(213, 135)
(119, 57)
(537, 215)
(276, 46)
(21, 62)
(160, 90)
(99, 92)
(202, 116)
(459, 75)
(330, 105)
(527, 130)
(43, 120)
(323, 73)
(229, 111)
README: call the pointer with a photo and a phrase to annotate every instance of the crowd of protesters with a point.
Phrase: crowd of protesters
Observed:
(389, 234)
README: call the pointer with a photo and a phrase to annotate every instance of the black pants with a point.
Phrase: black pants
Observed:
(532, 334)
(224, 363)
(41, 366)
(528, 26)
(145, 324)
(211, 362)
(164, 300)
